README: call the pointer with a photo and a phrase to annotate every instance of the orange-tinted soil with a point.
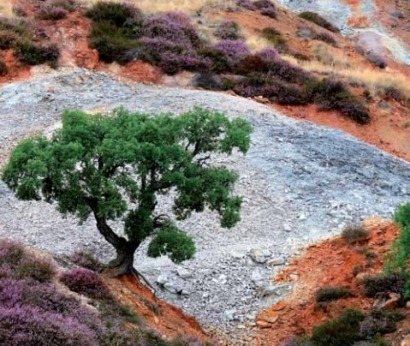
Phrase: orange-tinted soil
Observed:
(156, 314)
(331, 263)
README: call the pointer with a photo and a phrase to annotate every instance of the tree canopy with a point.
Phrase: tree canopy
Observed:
(115, 166)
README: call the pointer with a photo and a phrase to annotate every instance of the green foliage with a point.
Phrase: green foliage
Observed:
(355, 233)
(398, 259)
(35, 54)
(343, 331)
(169, 241)
(114, 167)
(111, 42)
(274, 37)
(115, 13)
(318, 20)
(384, 283)
(328, 294)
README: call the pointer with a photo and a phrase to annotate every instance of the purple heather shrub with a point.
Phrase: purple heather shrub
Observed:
(36, 268)
(69, 5)
(51, 12)
(85, 282)
(235, 50)
(86, 260)
(269, 12)
(248, 4)
(284, 70)
(172, 26)
(28, 325)
(10, 252)
(263, 4)
(228, 30)
(268, 54)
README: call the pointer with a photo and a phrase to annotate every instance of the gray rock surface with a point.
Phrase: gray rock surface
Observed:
(300, 182)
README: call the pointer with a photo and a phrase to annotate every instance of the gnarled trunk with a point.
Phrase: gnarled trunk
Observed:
(123, 263)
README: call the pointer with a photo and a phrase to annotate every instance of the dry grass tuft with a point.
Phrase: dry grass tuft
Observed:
(376, 81)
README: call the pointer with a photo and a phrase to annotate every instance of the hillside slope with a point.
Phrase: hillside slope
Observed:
(300, 182)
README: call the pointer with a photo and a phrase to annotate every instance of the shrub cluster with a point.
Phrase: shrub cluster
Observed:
(115, 31)
(266, 8)
(51, 12)
(23, 36)
(330, 94)
(248, 4)
(318, 20)
(328, 294)
(354, 233)
(228, 30)
(377, 60)
(325, 37)
(35, 54)
(87, 282)
(385, 283)
(35, 311)
(86, 260)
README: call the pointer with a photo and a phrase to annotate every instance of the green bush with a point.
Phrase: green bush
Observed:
(111, 42)
(115, 13)
(383, 284)
(343, 331)
(328, 294)
(32, 53)
(318, 20)
(355, 233)
(274, 37)
(402, 215)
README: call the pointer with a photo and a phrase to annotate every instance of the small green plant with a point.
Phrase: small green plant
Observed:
(318, 20)
(355, 233)
(327, 294)
(274, 37)
(343, 331)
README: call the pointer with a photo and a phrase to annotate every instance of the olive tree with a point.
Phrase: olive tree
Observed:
(113, 167)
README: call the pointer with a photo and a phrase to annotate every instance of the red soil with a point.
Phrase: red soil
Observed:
(330, 263)
(158, 315)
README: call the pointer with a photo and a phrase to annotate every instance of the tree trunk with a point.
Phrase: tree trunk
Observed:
(123, 263)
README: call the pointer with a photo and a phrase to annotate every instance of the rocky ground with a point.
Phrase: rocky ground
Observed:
(300, 182)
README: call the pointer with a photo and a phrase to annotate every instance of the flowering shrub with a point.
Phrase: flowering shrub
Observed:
(267, 54)
(228, 30)
(31, 326)
(68, 5)
(234, 50)
(51, 12)
(85, 282)
(266, 8)
(174, 27)
(248, 4)
(86, 260)
(218, 60)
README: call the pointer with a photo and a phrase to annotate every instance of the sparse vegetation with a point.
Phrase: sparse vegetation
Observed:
(51, 12)
(355, 233)
(328, 294)
(3, 68)
(274, 37)
(383, 283)
(318, 20)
